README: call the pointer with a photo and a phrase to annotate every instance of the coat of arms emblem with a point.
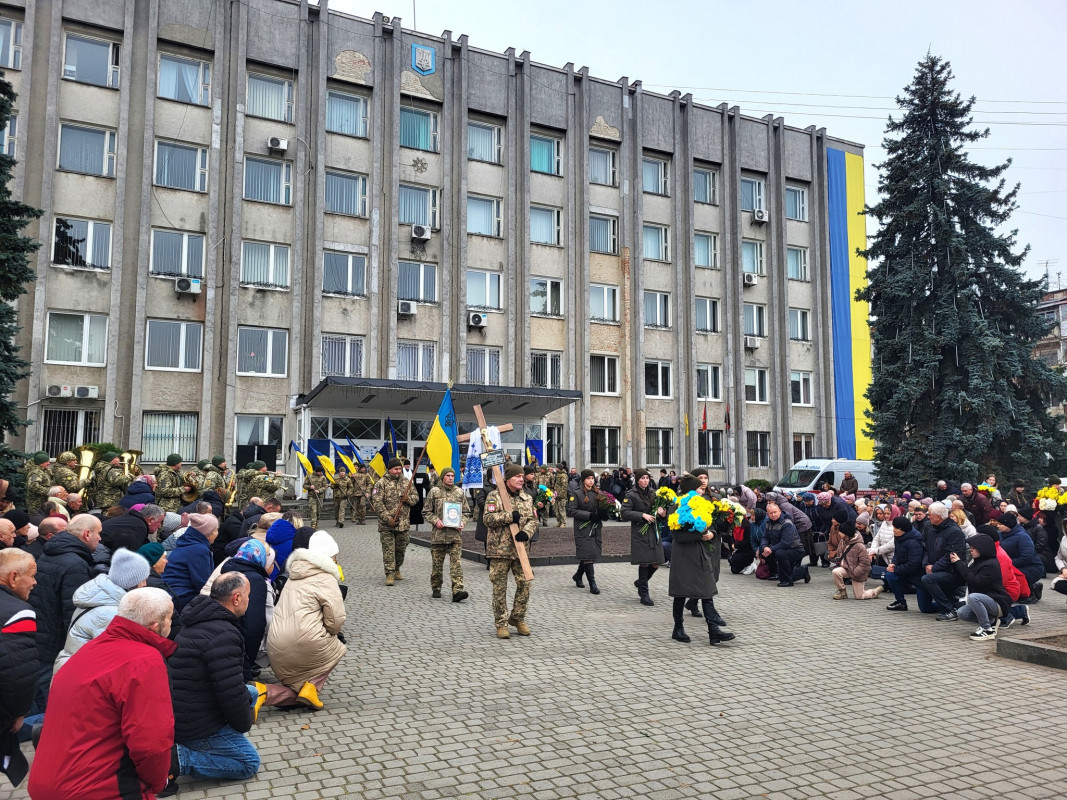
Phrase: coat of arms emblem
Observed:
(423, 59)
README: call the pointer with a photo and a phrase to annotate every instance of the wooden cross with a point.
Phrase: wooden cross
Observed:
(498, 477)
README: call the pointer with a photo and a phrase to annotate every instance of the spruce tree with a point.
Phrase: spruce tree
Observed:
(956, 392)
(15, 272)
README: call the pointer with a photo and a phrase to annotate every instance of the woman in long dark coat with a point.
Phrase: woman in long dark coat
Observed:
(716, 555)
(646, 549)
(692, 573)
(583, 507)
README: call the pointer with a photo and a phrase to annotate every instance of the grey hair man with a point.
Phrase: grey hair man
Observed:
(937, 588)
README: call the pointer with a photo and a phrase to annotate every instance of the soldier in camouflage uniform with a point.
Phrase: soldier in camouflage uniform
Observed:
(215, 479)
(391, 494)
(446, 538)
(38, 481)
(111, 480)
(500, 550)
(170, 484)
(343, 487)
(316, 485)
(261, 483)
(241, 485)
(64, 473)
(560, 487)
(361, 489)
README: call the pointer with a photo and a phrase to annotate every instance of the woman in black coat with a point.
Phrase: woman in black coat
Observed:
(583, 506)
(986, 597)
(646, 549)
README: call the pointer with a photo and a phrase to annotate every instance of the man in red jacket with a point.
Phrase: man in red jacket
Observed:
(109, 727)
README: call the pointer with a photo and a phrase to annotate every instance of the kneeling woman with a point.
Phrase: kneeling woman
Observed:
(646, 549)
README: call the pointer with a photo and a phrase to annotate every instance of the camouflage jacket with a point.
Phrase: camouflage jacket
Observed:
(169, 483)
(38, 482)
(316, 485)
(560, 486)
(499, 543)
(263, 485)
(215, 481)
(433, 509)
(64, 476)
(111, 484)
(241, 485)
(387, 497)
(362, 484)
(343, 486)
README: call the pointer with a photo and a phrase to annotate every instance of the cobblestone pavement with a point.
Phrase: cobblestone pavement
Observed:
(815, 699)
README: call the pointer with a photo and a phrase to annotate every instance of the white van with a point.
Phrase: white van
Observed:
(805, 475)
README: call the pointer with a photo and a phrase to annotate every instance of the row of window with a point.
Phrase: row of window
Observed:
(604, 447)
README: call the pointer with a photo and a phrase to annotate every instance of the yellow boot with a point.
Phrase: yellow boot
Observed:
(309, 696)
(262, 689)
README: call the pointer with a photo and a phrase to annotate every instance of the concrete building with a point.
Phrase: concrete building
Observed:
(1052, 349)
(266, 221)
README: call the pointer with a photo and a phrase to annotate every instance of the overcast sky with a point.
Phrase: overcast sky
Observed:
(791, 58)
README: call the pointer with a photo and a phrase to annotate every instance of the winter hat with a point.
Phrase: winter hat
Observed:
(989, 530)
(447, 471)
(207, 524)
(847, 529)
(127, 569)
(40, 457)
(689, 483)
(587, 473)
(20, 519)
(839, 517)
(823, 497)
(395, 462)
(258, 465)
(902, 523)
(151, 552)
(218, 461)
(529, 469)
(863, 519)
(254, 552)
(808, 497)
(906, 495)
(171, 522)
(640, 473)
(202, 463)
(173, 460)
(323, 544)
(699, 471)
(1008, 520)
(511, 471)
(927, 501)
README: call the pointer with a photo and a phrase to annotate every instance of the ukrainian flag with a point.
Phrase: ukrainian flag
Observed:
(355, 452)
(341, 454)
(303, 459)
(442, 445)
(380, 460)
(327, 465)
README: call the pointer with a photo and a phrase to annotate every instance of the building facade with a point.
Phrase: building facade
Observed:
(266, 221)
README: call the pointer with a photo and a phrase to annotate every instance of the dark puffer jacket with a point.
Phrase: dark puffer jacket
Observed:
(983, 576)
(129, 530)
(66, 564)
(207, 672)
(254, 622)
(908, 553)
(18, 657)
(138, 492)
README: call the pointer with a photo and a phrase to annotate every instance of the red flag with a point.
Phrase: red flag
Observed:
(726, 420)
(704, 422)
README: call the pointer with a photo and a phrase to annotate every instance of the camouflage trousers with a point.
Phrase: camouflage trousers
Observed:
(316, 506)
(394, 545)
(454, 551)
(561, 512)
(342, 503)
(359, 508)
(498, 576)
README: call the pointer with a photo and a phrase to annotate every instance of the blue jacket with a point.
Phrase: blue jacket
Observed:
(189, 565)
(822, 517)
(138, 492)
(908, 555)
(1020, 547)
(280, 537)
(781, 535)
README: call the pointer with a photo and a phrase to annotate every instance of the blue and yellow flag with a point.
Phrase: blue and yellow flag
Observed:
(303, 459)
(355, 452)
(390, 438)
(535, 451)
(379, 463)
(442, 445)
(327, 465)
(341, 454)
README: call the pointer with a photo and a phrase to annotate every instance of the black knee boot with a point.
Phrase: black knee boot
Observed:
(593, 588)
(679, 631)
(691, 604)
(643, 574)
(715, 633)
(577, 576)
(714, 616)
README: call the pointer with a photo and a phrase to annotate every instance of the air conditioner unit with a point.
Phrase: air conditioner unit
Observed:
(759, 216)
(60, 390)
(752, 343)
(87, 392)
(750, 279)
(420, 233)
(476, 320)
(277, 145)
(407, 308)
(187, 285)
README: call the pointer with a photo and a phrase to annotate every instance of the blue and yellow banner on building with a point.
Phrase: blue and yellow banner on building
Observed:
(851, 334)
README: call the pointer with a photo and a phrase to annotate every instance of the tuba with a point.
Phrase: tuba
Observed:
(191, 478)
(87, 457)
(129, 462)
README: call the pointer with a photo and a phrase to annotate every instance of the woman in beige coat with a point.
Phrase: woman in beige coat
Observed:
(302, 642)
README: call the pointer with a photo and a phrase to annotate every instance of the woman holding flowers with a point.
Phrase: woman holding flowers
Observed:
(587, 506)
(643, 508)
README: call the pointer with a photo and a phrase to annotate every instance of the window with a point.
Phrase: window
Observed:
(181, 166)
(657, 379)
(418, 206)
(11, 50)
(186, 80)
(67, 428)
(709, 448)
(799, 329)
(654, 176)
(603, 303)
(655, 243)
(602, 166)
(754, 319)
(268, 181)
(346, 194)
(346, 114)
(418, 129)
(342, 355)
(755, 385)
(546, 370)
(483, 215)
(553, 444)
(759, 449)
(262, 351)
(546, 297)
(796, 203)
(417, 282)
(344, 274)
(752, 257)
(546, 155)
(269, 97)
(657, 310)
(545, 225)
(707, 315)
(483, 290)
(604, 445)
(163, 434)
(483, 365)
(414, 361)
(704, 186)
(751, 194)
(797, 263)
(264, 264)
(177, 253)
(803, 446)
(800, 388)
(706, 250)
(9, 142)
(658, 451)
(90, 151)
(603, 234)
(79, 339)
(82, 243)
(603, 375)
(173, 345)
(253, 430)
(92, 61)
(709, 382)
(484, 142)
